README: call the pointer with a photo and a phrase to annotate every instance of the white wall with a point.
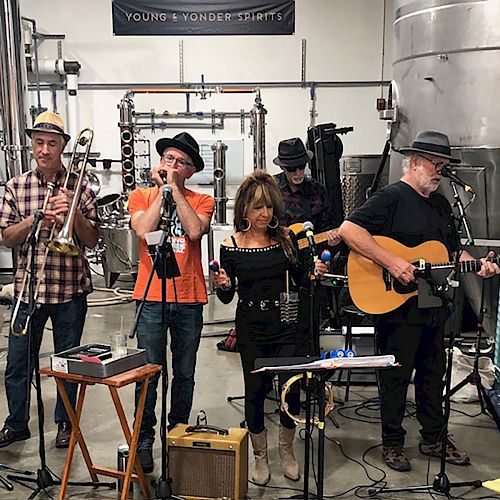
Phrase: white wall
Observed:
(344, 43)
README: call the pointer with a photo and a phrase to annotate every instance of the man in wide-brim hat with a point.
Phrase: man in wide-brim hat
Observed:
(187, 219)
(305, 199)
(65, 283)
(413, 213)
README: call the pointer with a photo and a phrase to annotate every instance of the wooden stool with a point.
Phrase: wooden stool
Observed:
(141, 374)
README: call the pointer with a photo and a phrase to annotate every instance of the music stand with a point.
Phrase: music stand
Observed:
(295, 365)
(165, 266)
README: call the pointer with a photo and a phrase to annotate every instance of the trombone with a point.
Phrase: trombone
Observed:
(64, 242)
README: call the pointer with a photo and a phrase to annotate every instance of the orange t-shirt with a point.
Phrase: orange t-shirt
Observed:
(190, 285)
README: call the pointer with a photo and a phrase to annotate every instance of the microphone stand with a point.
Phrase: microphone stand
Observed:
(441, 483)
(311, 383)
(165, 265)
(474, 376)
(6, 484)
(44, 476)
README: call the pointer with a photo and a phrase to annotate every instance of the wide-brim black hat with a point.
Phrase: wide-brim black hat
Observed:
(50, 123)
(183, 142)
(292, 153)
(431, 143)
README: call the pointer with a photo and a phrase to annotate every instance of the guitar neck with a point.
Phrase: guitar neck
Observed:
(318, 238)
(465, 266)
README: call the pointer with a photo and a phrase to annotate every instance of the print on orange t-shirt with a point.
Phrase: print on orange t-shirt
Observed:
(190, 285)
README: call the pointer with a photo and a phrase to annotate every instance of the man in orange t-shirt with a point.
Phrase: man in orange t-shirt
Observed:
(186, 294)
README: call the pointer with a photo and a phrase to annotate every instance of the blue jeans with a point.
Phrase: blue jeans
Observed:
(67, 325)
(185, 322)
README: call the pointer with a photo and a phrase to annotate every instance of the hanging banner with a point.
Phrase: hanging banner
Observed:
(203, 17)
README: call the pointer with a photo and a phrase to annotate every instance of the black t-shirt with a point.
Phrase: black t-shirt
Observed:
(399, 212)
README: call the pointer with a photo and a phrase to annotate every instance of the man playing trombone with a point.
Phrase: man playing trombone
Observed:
(61, 281)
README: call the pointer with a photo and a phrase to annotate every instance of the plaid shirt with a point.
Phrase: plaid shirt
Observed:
(310, 202)
(64, 277)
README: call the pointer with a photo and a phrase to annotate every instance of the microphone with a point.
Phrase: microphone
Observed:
(214, 266)
(326, 256)
(447, 172)
(166, 202)
(308, 227)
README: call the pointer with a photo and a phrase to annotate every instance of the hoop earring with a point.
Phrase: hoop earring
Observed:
(274, 222)
(245, 224)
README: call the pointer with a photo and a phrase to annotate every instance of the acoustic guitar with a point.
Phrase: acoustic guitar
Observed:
(304, 242)
(375, 291)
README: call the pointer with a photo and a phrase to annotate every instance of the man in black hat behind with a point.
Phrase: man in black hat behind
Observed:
(189, 221)
(304, 199)
(412, 212)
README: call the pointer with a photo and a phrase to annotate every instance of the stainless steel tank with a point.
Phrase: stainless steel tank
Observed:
(357, 174)
(446, 72)
(12, 90)
(121, 253)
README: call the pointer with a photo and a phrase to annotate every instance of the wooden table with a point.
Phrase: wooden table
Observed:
(141, 374)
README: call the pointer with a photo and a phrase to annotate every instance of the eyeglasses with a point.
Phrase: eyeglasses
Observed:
(439, 165)
(294, 169)
(180, 161)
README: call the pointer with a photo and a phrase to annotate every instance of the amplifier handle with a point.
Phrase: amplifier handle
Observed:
(207, 428)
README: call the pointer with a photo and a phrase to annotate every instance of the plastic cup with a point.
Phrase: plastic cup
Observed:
(118, 344)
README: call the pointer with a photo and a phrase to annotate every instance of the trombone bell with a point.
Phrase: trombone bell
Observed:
(65, 246)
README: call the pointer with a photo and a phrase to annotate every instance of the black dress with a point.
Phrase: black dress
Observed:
(260, 275)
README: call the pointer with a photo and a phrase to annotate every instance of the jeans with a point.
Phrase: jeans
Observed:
(418, 347)
(185, 322)
(68, 320)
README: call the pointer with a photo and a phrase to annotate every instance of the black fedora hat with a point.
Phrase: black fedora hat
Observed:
(431, 143)
(183, 142)
(292, 153)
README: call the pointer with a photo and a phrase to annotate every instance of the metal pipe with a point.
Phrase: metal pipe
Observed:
(13, 88)
(303, 61)
(183, 114)
(268, 84)
(72, 107)
(219, 149)
(35, 47)
(165, 125)
(258, 128)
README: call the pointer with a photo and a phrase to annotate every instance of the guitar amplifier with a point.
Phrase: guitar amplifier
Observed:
(208, 462)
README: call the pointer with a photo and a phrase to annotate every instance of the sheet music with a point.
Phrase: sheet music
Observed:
(336, 363)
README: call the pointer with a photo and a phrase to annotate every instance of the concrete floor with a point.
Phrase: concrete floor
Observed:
(218, 376)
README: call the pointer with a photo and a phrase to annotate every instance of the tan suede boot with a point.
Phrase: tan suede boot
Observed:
(261, 474)
(289, 465)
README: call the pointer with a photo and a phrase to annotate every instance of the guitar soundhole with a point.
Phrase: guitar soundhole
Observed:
(402, 289)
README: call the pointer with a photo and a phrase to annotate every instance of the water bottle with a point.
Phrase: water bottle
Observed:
(122, 461)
